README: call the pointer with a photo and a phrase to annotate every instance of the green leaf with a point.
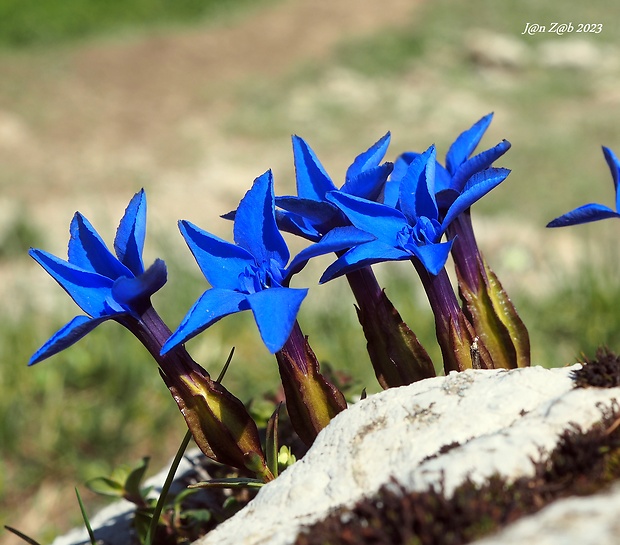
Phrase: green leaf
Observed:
(150, 534)
(232, 483)
(226, 365)
(106, 486)
(495, 319)
(132, 483)
(271, 441)
(89, 528)
(181, 496)
(21, 535)
(197, 515)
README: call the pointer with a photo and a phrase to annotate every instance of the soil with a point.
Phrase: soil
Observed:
(101, 119)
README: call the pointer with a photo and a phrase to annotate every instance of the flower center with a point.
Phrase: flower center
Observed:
(255, 278)
(425, 231)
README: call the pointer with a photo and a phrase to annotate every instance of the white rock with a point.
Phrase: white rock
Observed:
(584, 520)
(501, 419)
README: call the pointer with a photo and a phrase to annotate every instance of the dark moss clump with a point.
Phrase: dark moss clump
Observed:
(581, 464)
(601, 372)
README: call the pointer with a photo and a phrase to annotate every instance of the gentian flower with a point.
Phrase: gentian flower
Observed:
(594, 212)
(105, 286)
(396, 354)
(117, 287)
(310, 214)
(467, 178)
(248, 275)
(413, 231)
(456, 177)
(252, 275)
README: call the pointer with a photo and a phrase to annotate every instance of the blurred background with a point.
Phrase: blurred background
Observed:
(192, 100)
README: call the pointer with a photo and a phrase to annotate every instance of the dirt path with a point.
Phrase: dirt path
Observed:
(96, 119)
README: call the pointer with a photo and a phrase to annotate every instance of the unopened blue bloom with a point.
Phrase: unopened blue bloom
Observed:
(593, 211)
(105, 286)
(248, 275)
(310, 214)
(462, 173)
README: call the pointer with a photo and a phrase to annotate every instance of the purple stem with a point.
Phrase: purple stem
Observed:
(465, 250)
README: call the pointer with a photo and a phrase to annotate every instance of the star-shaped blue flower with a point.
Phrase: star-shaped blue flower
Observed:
(461, 172)
(593, 211)
(391, 234)
(105, 286)
(310, 214)
(248, 275)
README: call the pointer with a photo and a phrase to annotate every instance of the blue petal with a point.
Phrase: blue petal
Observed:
(614, 167)
(443, 180)
(370, 159)
(91, 291)
(584, 214)
(66, 336)
(338, 239)
(255, 226)
(477, 186)
(384, 222)
(212, 306)
(317, 212)
(466, 143)
(220, 261)
(312, 180)
(296, 225)
(130, 235)
(391, 191)
(402, 164)
(478, 163)
(133, 291)
(275, 311)
(417, 195)
(368, 184)
(445, 199)
(362, 256)
(88, 251)
(433, 256)
(288, 222)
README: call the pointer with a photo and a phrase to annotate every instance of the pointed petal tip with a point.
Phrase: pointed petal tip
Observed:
(584, 214)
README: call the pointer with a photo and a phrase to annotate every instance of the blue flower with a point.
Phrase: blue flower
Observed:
(412, 229)
(462, 172)
(310, 214)
(103, 285)
(594, 212)
(248, 275)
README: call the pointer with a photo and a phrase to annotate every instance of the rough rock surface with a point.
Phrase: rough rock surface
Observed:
(503, 420)
(495, 422)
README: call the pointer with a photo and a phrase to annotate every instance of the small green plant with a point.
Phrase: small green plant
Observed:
(153, 516)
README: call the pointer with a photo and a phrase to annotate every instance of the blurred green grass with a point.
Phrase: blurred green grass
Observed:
(102, 402)
(35, 24)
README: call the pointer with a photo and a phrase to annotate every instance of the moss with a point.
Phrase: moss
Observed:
(581, 464)
(602, 372)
